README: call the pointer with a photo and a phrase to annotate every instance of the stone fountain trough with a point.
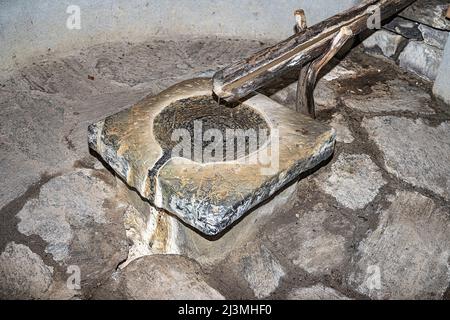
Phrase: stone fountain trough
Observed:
(163, 147)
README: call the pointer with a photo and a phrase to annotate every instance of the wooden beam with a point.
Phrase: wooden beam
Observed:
(244, 77)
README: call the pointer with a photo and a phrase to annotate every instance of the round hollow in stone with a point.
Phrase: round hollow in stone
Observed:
(235, 132)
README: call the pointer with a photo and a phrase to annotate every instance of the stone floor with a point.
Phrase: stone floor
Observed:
(372, 223)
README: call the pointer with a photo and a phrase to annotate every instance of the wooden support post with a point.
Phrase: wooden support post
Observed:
(300, 18)
(308, 74)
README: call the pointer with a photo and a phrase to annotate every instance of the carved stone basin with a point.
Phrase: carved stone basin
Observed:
(206, 163)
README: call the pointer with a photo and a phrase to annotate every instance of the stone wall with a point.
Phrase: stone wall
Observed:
(442, 84)
(416, 40)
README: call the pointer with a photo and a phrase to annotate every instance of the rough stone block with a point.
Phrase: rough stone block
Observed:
(208, 252)
(442, 84)
(421, 59)
(429, 12)
(434, 37)
(407, 28)
(209, 195)
(384, 42)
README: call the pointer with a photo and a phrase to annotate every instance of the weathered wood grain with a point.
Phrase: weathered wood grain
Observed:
(240, 79)
(308, 75)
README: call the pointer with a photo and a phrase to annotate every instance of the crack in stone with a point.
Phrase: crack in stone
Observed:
(153, 172)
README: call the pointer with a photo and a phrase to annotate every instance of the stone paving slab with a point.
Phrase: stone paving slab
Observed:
(316, 292)
(159, 277)
(309, 244)
(407, 28)
(78, 217)
(261, 270)
(23, 274)
(414, 150)
(354, 180)
(343, 133)
(407, 255)
(390, 96)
